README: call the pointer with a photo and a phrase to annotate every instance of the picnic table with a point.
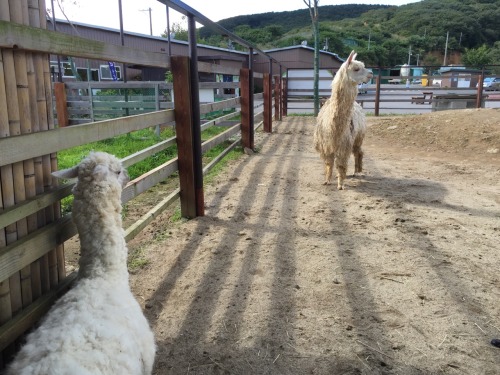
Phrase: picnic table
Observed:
(421, 99)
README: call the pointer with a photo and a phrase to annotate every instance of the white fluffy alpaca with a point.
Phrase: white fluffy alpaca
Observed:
(97, 327)
(341, 124)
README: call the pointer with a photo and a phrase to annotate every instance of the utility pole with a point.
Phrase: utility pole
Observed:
(446, 49)
(168, 34)
(122, 37)
(409, 55)
(313, 11)
(150, 20)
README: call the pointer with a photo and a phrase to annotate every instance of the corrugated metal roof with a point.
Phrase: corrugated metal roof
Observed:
(145, 36)
(304, 47)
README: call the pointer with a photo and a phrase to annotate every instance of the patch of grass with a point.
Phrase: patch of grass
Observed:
(124, 145)
(176, 216)
(137, 260)
(234, 154)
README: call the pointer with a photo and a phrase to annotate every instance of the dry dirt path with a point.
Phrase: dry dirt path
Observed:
(398, 274)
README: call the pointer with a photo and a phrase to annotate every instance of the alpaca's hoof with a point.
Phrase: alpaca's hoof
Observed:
(327, 183)
(340, 187)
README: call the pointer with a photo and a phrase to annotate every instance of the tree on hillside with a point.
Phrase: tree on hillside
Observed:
(476, 57)
(495, 57)
(178, 30)
(313, 11)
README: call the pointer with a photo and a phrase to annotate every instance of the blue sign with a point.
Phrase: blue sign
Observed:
(112, 69)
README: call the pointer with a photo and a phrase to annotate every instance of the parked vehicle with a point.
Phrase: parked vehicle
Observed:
(362, 88)
(491, 83)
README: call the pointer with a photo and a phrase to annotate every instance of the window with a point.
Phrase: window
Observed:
(94, 74)
(65, 66)
(106, 72)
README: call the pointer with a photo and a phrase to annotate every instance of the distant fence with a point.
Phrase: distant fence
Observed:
(399, 94)
(94, 101)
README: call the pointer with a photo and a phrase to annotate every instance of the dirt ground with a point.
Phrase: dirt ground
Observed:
(398, 274)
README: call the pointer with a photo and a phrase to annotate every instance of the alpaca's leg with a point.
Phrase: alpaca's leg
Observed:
(328, 170)
(358, 159)
(341, 174)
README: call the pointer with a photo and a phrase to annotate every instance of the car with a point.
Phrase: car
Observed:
(362, 88)
(495, 86)
(491, 83)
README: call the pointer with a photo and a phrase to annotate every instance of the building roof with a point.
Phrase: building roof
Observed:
(460, 69)
(146, 36)
(300, 46)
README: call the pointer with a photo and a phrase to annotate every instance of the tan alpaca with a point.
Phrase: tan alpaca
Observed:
(341, 123)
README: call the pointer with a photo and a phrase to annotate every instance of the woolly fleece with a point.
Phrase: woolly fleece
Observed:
(97, 327)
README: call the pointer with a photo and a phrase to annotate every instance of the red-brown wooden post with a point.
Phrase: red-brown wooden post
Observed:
(277, 98)
(268, 127)
(284, 97)
(479, 95)
(190, 195)
(247, 128)
(61, 104)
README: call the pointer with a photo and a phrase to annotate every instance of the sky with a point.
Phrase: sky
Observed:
(136, 13)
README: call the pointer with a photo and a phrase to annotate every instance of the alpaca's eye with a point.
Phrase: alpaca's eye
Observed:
(356, 69)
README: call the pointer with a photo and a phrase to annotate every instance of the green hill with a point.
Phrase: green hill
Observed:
(382, 34)
(293, 19)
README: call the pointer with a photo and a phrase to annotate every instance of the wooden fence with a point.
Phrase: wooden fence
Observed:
(440, 92)
(32, 229)
(389, 94)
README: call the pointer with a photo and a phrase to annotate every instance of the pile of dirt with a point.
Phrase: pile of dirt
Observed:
(472, 133)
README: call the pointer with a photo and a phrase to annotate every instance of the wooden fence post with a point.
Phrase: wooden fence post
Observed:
(61, 104)
(268, 120)
(377, 92)
(479, 94)
(277, 98)
(246, 102)
(284, 97)
(192, 202)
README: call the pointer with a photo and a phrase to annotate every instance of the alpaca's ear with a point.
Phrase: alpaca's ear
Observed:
(66, 173)
(351, 57)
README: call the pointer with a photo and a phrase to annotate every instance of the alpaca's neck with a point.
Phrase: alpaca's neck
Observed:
(103, 247)
(344, 92)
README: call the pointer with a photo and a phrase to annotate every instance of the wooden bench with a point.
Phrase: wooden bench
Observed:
(426, 96)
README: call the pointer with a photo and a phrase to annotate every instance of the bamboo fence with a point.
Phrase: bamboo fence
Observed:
(25, 100)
